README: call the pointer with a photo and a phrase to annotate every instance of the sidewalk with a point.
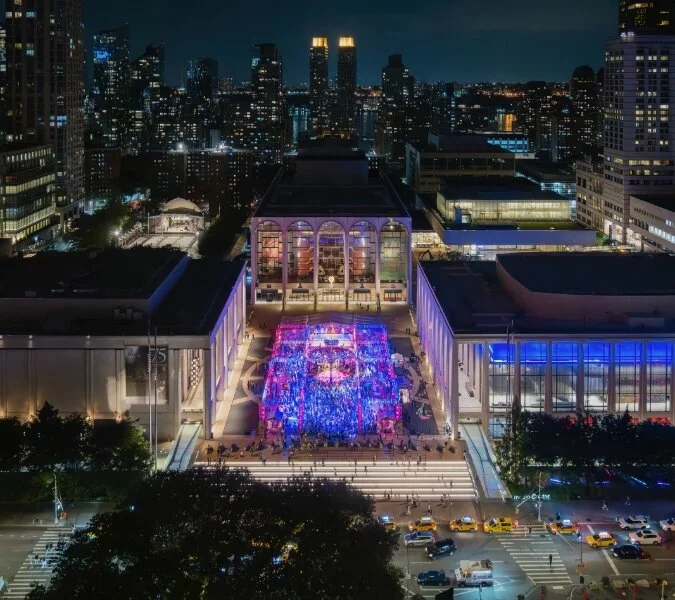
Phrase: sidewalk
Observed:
(41, 516)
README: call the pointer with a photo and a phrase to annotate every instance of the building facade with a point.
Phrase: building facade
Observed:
(590, 200)
(45, 67)
(267, 85)
(111, 87)
(638, 136)
(650, 17)
(96, 358)
(330, 232)
(652, 222)
(102, 167)
(584, 95)
(319, 94)
(346, 86)
(556, 333)
(27, 192)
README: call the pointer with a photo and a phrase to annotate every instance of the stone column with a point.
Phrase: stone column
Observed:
(346, 252)
(284, 263)
(207, 382)
(454, 389)
(611, 380)
(642, 388)
(254, 261)
(316, 264)
(580, 378)
(548, 397)
(408, 283)
(377, 262)
(484, 386)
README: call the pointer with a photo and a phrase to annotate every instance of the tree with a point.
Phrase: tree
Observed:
(97, 230)
(11, 444)
(119, 446)
(221, 534)
(511, 451)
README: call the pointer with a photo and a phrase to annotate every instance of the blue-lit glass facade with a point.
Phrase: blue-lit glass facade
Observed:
(627, 358)
(500, 375)
(659, 377)
(533, 365)
(564, 372)
(597, 357)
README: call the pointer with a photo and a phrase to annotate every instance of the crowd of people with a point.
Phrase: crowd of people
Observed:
(332, 380)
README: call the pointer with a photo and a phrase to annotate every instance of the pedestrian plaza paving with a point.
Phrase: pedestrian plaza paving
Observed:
(531, 552)
(32, 571)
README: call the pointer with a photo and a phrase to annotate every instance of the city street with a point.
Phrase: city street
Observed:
(521, 562)
(15, 544)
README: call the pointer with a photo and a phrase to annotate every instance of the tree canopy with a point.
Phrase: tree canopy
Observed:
(221, 534)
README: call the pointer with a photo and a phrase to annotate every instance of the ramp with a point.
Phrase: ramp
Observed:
(183, 447)
(483, 459)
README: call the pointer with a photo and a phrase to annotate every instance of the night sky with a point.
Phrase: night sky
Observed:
(455, 40)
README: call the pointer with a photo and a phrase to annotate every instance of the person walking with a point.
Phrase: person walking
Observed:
(604, 505)
(550, 561)
(627, 500)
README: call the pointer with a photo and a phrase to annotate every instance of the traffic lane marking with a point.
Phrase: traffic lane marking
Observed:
(606, 554)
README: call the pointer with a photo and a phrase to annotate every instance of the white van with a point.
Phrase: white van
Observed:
(474, 573)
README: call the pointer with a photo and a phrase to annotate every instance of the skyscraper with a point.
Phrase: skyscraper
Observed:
(318, 86)
(563, 120)
(346, 86)
(147, 78)
(110, 94)
(394, 113)
(584, 95)
(535, 117)
(646, 17)
(202, 80)
(267, 85)
(639, 138)
(45, 68)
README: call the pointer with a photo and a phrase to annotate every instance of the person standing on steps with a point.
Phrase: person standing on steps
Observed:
(550, 561)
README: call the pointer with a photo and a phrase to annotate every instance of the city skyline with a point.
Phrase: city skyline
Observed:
(515, 43)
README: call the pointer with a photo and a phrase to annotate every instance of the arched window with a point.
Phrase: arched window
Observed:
(269, 252)
(362, 252)
(331, 253)
(300, 252)
(394, 253)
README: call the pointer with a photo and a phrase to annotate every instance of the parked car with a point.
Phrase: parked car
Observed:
(441, 548)
(629, 551)
(432, 578)
(668, 524)
(644, 537)
(387, 521)
(634, 522)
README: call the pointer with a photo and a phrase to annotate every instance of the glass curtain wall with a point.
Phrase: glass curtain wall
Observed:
(362, 253)
(596, 376)
(564, 359)
(627, 361)
(394, 253)
(533, 356)
(300, 250)
(659, 376)
(269, 253)
(500, 373)
(331, 253)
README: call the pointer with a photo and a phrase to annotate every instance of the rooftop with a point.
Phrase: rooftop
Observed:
(112, 273)
(494, 188)
(594, 273)
(545, 170)
(460, 143)
(667, 202)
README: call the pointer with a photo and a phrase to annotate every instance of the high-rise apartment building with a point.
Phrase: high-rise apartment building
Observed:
(319, 98)
(394, 119)
(563, 123)
(237, 119)
(346, 86)
(639, 136)
(147, 79)
(267, 86)
(646, 17)
(110, 94)
(584, 95)
(3, 83)
(535, 117)
(45, 69)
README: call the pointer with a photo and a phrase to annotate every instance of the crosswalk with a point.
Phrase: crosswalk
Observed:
(31, 572)
(536, 554)
(397, 479)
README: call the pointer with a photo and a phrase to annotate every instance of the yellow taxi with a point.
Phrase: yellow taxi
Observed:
(387, 521)
(463, 524)
(564, 526)
(498, 525)
(601, 539)
(423, 524)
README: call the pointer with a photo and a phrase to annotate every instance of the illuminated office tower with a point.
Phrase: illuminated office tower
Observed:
(267, 86)
(584, 95)
(319, 115)
(646, 17)
(346, 86)
(45, 79)
(111, 86)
